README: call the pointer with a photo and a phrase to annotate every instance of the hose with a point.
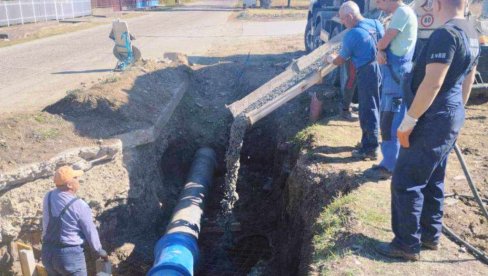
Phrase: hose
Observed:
(478, 253)
(470, 181)
(475, 251)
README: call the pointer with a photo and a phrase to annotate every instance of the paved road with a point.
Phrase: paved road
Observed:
(36, 74)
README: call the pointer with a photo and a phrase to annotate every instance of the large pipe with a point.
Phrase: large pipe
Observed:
(177, 251)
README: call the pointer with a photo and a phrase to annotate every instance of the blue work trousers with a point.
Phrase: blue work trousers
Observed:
(392, 107)
(417, 186)
(369, 78)
(61, 261)
(392, 113)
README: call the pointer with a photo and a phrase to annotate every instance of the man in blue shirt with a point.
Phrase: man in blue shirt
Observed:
(359, 45)
(67, 223)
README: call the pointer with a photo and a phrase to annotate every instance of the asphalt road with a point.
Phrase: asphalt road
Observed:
(36, 74)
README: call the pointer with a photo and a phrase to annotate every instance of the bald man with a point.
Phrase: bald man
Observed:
(440, 84)
(360, 46)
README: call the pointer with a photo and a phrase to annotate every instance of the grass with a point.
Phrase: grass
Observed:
(112, 79)
(59, 29)
(49, 133)
(305, 136)
(40, 118)
(73, 92)
(62, 28)
(328, 226)
(173, 2)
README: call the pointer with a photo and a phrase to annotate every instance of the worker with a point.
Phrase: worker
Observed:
(396, 53)
(67, 223)
(359, 45)
(440, 85)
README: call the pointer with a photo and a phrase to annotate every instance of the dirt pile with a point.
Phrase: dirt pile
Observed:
(123, 102)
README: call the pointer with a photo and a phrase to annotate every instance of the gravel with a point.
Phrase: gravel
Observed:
(285, 86)
(232, 159)
(237, 132)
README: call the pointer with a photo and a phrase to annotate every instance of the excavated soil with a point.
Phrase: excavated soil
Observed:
(132, 223)
(121, 103)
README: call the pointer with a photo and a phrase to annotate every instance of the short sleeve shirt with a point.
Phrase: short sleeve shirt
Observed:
(447, 47)
(359, 44)
(405, 21)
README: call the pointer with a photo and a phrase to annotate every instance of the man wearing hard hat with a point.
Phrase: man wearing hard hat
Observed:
(67, 223)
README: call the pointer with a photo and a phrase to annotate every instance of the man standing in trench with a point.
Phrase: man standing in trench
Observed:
(359, 45)
(396, 50)
(441, 83)
(67, 222)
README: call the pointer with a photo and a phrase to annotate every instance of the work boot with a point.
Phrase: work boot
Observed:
(365, 155)
(377, 172)
(349, 116)
(430, 245)
(389, 250)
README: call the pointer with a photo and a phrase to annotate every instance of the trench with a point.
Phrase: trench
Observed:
(255, 248)
(262, 243)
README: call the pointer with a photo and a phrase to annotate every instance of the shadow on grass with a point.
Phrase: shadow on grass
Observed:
(364, 246)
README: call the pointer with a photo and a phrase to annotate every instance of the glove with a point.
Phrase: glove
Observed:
(405, 129)
(103, 254)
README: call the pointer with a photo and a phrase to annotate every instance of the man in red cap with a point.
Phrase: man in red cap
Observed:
(67, 223)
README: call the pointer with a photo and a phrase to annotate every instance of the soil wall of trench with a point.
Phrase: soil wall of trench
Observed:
(133, 194)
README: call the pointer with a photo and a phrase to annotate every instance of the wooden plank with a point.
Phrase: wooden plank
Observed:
(27, 262)
(238, 106)
(296, 90)
(20, 246)
(41, 270)
(303, 62)
(320, 52)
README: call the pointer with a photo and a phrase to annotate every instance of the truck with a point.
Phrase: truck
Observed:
(323, 23)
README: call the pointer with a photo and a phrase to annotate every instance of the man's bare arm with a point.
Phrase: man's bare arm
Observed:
(338, 60)
(468, 84)
(386, 40)
(435, 73)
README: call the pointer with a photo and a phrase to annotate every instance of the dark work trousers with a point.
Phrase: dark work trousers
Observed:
(64, 260)
(368, 82)
(349, 85)
(417, 186)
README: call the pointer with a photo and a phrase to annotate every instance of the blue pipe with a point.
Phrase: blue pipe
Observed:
(176, 253)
